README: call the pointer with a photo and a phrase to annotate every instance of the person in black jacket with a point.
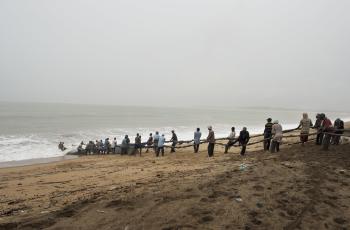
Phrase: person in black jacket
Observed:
(338, 126)
(267, 134)
(243, 140)
(174, 140)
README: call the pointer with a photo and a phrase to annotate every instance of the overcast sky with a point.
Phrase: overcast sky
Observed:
(279, 53)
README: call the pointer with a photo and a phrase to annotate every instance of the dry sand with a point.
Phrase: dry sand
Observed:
(298, 188)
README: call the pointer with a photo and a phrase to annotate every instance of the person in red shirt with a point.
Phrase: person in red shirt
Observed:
(327, 129)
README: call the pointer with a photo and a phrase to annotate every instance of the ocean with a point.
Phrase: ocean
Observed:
(33, 130)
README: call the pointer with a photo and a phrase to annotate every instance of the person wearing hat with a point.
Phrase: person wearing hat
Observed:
(267, 134)
(174, 140)
(277, 134)
(243, 139)
(161, 143)
(211, 141)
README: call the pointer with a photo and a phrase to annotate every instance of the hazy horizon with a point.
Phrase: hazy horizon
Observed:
(279, 54)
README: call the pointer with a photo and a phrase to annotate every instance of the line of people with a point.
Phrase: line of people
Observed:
(273, 135)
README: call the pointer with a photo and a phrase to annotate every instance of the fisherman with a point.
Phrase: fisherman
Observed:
(88, 148)
(160, 147)
(97, 147)
(155, 141)
(267, 134)
(174, 140)
(114, 145)
(138, 144)
(81, 148)
(305, 125)
(125, 145)
(197, 140)
(231, 139)
(243, 139)
(317, 126)
(277, 135)
(327, 130)
(338, 126)
(100, 147)
(149, 142)
(211, 141)
(61, 146)
(107, 146)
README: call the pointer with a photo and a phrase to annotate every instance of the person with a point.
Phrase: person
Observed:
(149, 142)
(338, 126)
(160, 147)
(61, 146)
(174, 140)
(211, 141)
(243, 140)
(81, 147)
(155, 141)
(317, 126)
(138, 144)
(107, 146)
(305, 125)
(277, 135)
(125, 145)
(327, 130)
(267, 134)
(231, 139)
(97, 147)
(90, 147)
(114, 145)
(100, 146)
(197, 140)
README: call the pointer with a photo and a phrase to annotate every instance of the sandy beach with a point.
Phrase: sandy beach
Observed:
(302, 187)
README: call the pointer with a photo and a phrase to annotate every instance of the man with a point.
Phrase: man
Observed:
(114, 145)
(149, 142)
(231, 139)
(305, 125)
(81, 148)
(317, 126)
(338, 126)
(243, 139)
(197, 140)
(125, 145)
(138, 144)
(211, 141)
(327, 129)
(107, 146)
(174, 140)
(155, 141)
(161, 143)
(267, 134)
(277, 135)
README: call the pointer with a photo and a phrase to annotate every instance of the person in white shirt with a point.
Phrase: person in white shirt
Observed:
(114, 145)
(231, 139)
(277, 135)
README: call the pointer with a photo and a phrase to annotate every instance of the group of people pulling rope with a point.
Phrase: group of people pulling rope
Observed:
(326, 134)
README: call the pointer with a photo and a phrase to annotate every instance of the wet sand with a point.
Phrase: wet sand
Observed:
(302, 187)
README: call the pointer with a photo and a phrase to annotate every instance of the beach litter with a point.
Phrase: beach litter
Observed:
(243, 167)
(44, 212)
(100, 211)
(238, 199)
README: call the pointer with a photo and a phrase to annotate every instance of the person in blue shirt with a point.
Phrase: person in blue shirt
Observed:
(155, 141)
(161, 143)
